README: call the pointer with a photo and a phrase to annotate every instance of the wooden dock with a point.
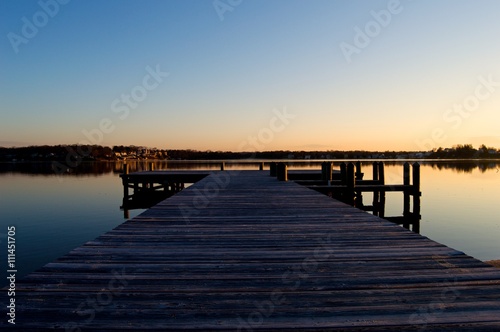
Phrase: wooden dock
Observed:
(241, 251)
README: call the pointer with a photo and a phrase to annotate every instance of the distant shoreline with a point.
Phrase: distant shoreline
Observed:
(78, 153)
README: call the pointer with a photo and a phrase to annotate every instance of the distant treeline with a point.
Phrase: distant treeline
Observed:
(77, 153)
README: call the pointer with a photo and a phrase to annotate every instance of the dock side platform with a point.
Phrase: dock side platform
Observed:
(241, 251)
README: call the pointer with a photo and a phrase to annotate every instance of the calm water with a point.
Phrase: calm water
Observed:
(54, 214)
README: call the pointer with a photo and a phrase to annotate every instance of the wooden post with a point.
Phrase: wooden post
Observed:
(282, 172)
(375, 171)
(381, 179)
(343, 173)
(359, 173)
(416, 227)
(326, 171)
(376, 194)
(329, 166)
(125, 182)
(261, 166)
(350, 183)
(376, 203)
(406, 193)
(222, 166)
(416, 191)
(381, 172)
(381, 206)
(272, 168)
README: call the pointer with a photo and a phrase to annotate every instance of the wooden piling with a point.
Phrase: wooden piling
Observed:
(261, 166)
(222, 166)
(381, 194)
(350, 183)
(381, 207)
(272, 169)
(375, 171)
(406, 193)
(343, 173)
(381, 172)
(416, 190)
(359, 173)
(125, 181)
(326, 171)
(282, 172)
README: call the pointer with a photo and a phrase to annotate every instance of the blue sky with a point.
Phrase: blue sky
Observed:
(423, 73)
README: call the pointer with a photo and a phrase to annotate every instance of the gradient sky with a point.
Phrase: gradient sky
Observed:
(415, 77)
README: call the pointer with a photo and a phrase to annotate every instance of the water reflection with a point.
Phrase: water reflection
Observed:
(466, 166)
(116, 167)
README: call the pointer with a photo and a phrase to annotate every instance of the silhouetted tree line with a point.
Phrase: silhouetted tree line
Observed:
(70, 153)
(466, 151)
(78, 152)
